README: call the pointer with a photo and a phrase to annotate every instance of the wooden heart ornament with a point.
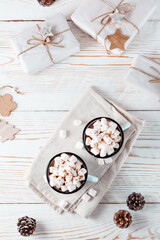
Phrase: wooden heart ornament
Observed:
(6, 105)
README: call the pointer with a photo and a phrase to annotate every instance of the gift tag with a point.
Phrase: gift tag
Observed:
(7, 131)
(6, 105)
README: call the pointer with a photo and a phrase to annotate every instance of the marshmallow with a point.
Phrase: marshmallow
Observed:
(82, 171)
(107, 139)
(97, 123)
(118, 139)
(110, 151)
(113, 125)
(62, 173)
(77, 122)
(63, 134)
(55, 172)
(72, 172)
(117, 133)
(73, 160)
(86, 197)
(102, 145)
(116, 145)
(89, 131)
(69, 178)
(52, 183)
(51, 177)
(88, 141)
(64, 188)
(64, 156)
(59, 181)
(71, 188)
(75, 180)
(108, 160)
(100, 161)
(92, 192)
(103, 121)
(78, 165)
(64, 204)
(79, 145)
(104, 128)
(97, 138)
(103, 152)
(51, 169)
(93, 143)
(57, 161)
(81, 177)
(95, 151)
(78, 185)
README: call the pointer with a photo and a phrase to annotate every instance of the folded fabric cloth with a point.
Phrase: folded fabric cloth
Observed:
(37, 52)
(88, 107)
(145, 75)
(101, 18)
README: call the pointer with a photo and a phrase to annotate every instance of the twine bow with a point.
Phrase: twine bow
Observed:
(48, 41)
(122, 8)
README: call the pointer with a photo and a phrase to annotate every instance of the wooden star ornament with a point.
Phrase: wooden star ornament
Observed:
(117, 40)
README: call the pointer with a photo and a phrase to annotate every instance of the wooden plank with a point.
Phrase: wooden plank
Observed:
(31, 10)
(57, 87)
(51, 225)
(139, 173)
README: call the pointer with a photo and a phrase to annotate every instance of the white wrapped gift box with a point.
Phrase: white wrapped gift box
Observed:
(37, 58)
(90, 13)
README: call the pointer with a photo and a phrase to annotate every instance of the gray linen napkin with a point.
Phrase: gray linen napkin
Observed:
(89, 106)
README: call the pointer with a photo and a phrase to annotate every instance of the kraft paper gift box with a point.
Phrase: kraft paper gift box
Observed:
(101, 18)
(36, 52)
(145, 75)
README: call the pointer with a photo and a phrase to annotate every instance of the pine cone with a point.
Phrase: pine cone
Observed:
(135, 201)
(46, 2)
(122, 219)
(26, 226)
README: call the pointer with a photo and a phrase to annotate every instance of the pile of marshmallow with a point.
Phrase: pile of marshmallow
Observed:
(67, 173)
(102, 137)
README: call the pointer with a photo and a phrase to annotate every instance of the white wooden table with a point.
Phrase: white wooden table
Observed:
(47, 98)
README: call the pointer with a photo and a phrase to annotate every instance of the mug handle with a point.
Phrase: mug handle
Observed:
(125, 126)
(91, 178)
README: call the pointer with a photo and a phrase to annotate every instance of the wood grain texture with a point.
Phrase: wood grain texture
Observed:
(31, 10)
(50, 225)
(47, 97)
(58, 86)
(139, 173)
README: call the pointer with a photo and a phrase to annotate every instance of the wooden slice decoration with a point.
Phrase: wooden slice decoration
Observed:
(7, 131)
(6, 105)
(117, 40)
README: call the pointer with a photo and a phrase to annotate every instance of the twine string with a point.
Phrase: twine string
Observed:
(105, 18)
(49, 41)
(14, 88)
(154, 79)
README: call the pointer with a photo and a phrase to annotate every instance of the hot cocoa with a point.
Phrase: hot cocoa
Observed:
(67, 173)
(102, 137)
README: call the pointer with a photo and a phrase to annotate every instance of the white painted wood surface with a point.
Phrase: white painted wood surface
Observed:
(47, 98)
(70, 227)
